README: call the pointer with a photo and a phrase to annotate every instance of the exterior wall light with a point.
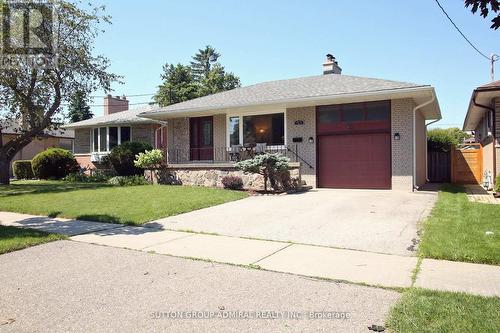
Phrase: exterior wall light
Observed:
(397, 136)
(311, 139)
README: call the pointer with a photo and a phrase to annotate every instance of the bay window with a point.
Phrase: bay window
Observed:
(106, 138)
(252, 129)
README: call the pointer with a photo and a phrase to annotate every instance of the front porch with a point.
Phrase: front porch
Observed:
(195, 144)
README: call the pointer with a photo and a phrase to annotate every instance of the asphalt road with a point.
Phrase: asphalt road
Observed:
(68, 286)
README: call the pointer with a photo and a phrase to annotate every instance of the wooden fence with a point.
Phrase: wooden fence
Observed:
(439, 166)
(467, 164)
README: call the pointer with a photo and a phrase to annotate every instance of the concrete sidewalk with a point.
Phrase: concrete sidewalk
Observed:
(67, 286)
(383, 270)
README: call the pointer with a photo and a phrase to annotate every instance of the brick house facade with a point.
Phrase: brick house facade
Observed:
(338, 131)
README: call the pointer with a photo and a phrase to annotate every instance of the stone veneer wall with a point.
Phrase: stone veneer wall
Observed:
(306, 150)
(402, 150)
(220, 143)
(178, 138)
(143, 133)
(211, 177)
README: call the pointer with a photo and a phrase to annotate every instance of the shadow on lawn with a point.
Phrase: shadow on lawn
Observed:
(72, 227)
(34, 188)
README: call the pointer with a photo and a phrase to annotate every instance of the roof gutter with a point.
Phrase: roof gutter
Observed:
(291, 100)
(473, 102)
(433, 98)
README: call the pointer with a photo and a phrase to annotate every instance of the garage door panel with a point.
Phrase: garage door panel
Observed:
(355, 161)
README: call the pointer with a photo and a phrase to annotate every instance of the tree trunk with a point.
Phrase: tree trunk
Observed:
(4, 170)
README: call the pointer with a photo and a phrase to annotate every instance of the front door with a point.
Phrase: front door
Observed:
(201, 139)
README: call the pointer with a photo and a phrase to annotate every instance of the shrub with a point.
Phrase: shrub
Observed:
(22, 169)
(122, 157)
(270, 166)
(232, 182)
(80, 177)
(440, 139)
(54, 163)
(128, 180)
(497, 184)
(149, 160)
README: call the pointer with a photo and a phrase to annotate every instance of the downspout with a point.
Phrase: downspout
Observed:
(415, 139)
(427, 150)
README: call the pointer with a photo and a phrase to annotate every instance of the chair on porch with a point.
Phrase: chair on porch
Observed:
(235, 153)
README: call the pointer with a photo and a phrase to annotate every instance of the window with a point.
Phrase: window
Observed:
(95, 139)
(125, 134)
(113, 137)
(330, 114)
(106, 138)
(377, 111)
(234, 131)
(250, 130)
(269, 128)
(353, 112)
(103, 139)
(367, 116)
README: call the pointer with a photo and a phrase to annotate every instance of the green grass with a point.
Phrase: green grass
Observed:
(13, 239)
(133, 205)
(456, 229)
(421, 310)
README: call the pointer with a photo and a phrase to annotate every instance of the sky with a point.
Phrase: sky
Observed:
(401, 40)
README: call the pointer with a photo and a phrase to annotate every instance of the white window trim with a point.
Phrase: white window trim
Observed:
(107, 138)
(240, 115)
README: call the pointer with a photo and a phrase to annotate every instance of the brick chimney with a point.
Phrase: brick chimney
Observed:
(114, 104)
(331, 66)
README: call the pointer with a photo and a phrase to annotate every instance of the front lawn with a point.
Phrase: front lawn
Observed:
(456, 229)
(421, 310)
(101, 202)
(13, 239)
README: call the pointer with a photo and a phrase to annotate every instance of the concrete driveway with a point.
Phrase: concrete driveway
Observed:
(68, 286)
(376, 221)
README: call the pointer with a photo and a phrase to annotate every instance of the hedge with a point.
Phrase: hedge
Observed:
(22, 169)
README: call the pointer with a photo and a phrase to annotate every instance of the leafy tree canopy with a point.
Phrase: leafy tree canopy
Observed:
(485, 7)
(78, 109)
(204, 76)
(32, 94)
(441, 139)
(178, 85)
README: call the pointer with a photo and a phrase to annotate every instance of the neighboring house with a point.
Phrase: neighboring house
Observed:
(345, 131)
(483, 117)
(59, 138)
(94, 138)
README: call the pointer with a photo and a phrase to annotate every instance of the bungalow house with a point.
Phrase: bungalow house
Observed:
(343, 131)
(483, 118)
(339, 131)
(94, 138)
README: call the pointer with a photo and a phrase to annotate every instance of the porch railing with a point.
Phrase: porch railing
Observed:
(231, 154)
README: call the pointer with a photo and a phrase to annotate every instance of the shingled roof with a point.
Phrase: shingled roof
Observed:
(123, 117)
(292, 89)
